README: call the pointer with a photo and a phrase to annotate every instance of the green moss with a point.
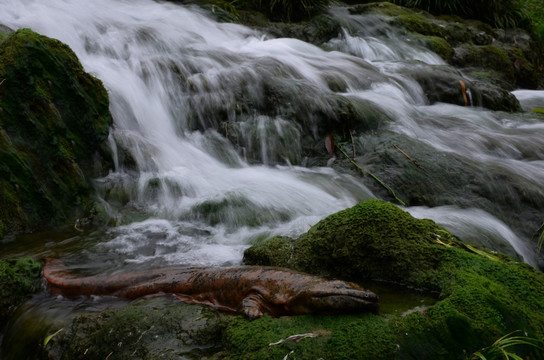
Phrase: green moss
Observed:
(525, 72)
(482, 295)
(275, 251)
(439, 46)
(55, 119)
(340, 245)
(334, 337)
(418, 24)
(489, 57)
(408, 19)
(18, 279)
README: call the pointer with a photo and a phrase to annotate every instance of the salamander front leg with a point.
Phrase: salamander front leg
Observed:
(251, 307)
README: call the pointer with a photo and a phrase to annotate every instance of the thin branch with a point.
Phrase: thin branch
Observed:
(352, 144)
(384, 185)
(409, 158)
(294, 338)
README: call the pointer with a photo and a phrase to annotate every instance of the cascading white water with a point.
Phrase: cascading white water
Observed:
(175, 79)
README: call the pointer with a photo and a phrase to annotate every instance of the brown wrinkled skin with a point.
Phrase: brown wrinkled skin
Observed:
(249, 290)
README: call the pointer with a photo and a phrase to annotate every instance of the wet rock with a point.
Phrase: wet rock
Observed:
(494, 97)
(317, 30)
(439, 83)
(450, 179)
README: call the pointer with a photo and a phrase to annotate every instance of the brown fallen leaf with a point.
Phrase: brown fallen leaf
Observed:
(464, 91)
(329, 144)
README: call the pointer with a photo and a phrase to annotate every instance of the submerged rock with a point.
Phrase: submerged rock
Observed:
(54, 119)
(482, 295)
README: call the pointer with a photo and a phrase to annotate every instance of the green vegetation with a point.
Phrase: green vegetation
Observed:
(18, 278)
(500, 349)
(527, 14)
(55, 119)
(535, 11)
(500, 13)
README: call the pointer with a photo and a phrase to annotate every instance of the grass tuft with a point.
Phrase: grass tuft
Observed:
(500, 349)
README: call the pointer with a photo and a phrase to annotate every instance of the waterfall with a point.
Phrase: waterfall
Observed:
(185, 89)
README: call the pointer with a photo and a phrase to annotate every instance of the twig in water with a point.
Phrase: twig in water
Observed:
(409, 158)
(294, 338)
(352, 144)
(384, 185)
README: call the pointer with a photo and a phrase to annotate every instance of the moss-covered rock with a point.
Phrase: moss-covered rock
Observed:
(468, 44)
(488, 57)
(54, 119)
(18, 279)
(146, 329)
(362, 242)
(438, 45)
(482, 295)
(317, 30)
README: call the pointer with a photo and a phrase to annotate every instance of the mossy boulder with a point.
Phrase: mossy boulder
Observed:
(373, 240)
(18, 279)
(146, 329)
(54, 119)
(482, 295)
(487, 56)
(438, 45)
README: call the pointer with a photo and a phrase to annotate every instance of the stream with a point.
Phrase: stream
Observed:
(215, 170)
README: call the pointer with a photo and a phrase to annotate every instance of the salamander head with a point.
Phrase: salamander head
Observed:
(333, 297)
